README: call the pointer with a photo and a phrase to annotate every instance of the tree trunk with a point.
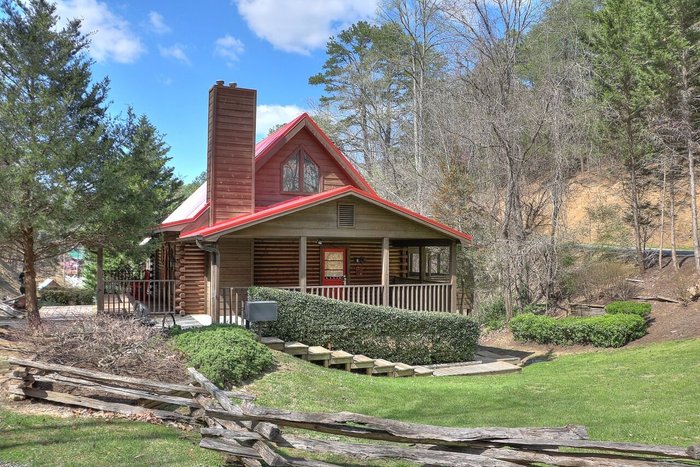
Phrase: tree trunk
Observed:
(33, 317)
(672, 215)
(693, 207)
(100, 280)
(663, 212)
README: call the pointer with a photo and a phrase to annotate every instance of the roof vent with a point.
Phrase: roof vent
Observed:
(346, 215)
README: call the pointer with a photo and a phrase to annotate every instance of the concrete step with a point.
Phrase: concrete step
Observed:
(491, 368)
(422, 371)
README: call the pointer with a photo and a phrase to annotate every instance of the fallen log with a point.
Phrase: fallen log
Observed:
(109, 378)
(96, 404)
(364, 426)
(658, 298)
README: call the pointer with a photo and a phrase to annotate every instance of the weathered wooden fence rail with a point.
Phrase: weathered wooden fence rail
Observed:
(252, 435)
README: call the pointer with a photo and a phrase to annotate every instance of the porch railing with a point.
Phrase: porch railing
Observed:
(232, 302)
(420, 297)
(158, 296)
(416, 297)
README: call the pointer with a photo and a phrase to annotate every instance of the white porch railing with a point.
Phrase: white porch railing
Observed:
(416, 297)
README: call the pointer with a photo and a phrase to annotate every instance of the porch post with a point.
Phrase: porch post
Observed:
(302, 264)
(385, 271)
(100, 279)
(423, 263)
(453, 276)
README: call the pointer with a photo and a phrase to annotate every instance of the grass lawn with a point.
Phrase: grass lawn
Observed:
(644, 394)
(43, 440)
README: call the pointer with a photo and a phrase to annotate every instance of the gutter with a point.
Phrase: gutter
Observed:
(212, 248)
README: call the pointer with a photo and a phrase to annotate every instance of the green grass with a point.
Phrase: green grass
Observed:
(43, 440)
(644, 394)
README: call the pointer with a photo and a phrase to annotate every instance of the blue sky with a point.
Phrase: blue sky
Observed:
(163, 56)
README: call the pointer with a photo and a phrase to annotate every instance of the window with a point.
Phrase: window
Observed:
(300, 174)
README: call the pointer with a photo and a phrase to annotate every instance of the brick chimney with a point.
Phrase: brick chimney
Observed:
(231, 151)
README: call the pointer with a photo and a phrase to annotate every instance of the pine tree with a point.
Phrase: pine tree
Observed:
(52, 136)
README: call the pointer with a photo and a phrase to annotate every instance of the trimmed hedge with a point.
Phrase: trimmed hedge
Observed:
(226, 354)
(630, 308)
(601, 331)
(412, 337)
(68, 296)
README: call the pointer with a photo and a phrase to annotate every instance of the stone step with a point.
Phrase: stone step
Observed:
(297, 349)
(401, 370)
(273, 343)
(382, 366)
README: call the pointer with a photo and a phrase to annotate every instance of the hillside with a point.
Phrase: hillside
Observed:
(595, 208)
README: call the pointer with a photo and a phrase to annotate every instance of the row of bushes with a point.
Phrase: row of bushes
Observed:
(68, 296)
(611, 330)
(226, 354)
(410, 337)
(629, 308)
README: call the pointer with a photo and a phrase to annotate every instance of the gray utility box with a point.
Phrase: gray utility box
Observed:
(257, 311)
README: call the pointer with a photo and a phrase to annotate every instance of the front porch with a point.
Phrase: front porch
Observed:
(418, 275)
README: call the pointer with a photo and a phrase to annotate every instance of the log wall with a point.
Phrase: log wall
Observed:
(191, 278)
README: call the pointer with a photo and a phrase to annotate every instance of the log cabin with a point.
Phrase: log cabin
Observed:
(293, 212)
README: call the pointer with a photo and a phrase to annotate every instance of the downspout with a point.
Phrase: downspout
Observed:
(212, 248)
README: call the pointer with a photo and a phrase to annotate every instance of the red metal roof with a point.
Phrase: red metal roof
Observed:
(302, 202)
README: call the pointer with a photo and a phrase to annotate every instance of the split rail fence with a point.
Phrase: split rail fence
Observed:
(252, 435)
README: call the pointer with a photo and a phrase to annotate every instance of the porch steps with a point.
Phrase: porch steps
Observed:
(362, 362)
(492, 363)
(319, 354)
(273, 343)
(297, 349)
(340, 357)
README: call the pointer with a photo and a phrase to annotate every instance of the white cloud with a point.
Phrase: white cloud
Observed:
(157, 22)
(269, 116)
(301, 26)
(229, 48)
(176, 52)
(111, 37)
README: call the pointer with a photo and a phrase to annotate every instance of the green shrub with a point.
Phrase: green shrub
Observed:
(492, 314)
(600, 331)
(68, 296)
(412, 337)
(630, 308)
(226, 354)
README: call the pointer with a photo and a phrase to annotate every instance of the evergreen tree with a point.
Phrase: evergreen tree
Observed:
(52, 136)
(628, 59)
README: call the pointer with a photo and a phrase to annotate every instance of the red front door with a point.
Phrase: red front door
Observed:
(333, 267)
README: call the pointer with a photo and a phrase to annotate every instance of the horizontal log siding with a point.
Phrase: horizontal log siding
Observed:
(268, 177)
(235, 264)
(191, 278)
(276, 262)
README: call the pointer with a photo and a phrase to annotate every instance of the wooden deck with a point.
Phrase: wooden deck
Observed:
(493, 363)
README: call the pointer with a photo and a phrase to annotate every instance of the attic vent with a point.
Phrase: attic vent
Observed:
(346, 215)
